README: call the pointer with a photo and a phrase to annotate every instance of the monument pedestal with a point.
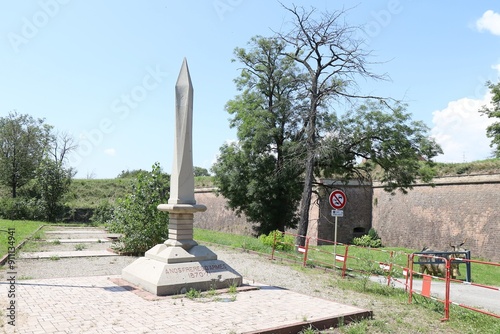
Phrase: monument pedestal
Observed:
(180, 264)
(173, 275)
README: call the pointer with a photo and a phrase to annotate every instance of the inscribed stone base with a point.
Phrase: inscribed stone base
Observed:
(173, 270)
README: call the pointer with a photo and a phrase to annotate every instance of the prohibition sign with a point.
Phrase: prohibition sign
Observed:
(337, 199)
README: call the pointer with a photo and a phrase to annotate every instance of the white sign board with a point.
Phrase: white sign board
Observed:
(337, 213)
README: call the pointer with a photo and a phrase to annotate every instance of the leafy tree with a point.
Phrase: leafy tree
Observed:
(136, 216)
(493, 131)
(332, 57)
(256, 175)
(52, 178)
(52, 182)
(383, 137)
(294, 128)
(251, 186)
(23, 144)
(131, 173)
(199, 171)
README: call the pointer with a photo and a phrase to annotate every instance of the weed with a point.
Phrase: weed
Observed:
(212, 292)
(193, 294)
(22, 277)
(309, 330)
(54, 258)
(38, 236)
(56, 242)
(362, 327)
(80, 247)
(233, 288)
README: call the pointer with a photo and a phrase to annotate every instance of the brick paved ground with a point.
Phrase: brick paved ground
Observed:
(98, 305)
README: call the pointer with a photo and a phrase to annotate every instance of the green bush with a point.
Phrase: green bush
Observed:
(136, 216)
(368, 240)
(103, 213)
(283, 242)
(21, 208)
(373, 234)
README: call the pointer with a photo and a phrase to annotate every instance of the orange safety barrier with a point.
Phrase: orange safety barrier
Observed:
(481, 286)
(339, 260)
(426, 284)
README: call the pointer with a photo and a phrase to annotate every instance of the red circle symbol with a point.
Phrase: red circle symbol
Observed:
(337, 199)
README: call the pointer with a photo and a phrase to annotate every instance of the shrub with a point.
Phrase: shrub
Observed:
(103, 213)
(369, 240)
(283, 242)
(373, 234)
(136, 216)
(21, 208)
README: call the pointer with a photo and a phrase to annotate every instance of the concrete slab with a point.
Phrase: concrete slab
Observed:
(101, 304)
(75, 231)
(69, 241)
(61, 254)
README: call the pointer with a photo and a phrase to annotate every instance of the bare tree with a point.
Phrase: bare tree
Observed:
(62, 144)
(333, 59)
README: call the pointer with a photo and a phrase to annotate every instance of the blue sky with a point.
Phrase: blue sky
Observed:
(105, 71)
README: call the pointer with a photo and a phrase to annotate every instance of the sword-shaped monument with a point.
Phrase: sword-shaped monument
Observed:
(180, 264)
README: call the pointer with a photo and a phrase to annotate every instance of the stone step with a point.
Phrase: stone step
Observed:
(67, 241)
(66, 254)
(76, 231)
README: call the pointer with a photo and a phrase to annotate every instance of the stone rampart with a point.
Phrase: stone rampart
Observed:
(454, 209)
(218, 217)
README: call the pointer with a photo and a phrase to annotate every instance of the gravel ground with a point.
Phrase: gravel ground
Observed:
(253, 267)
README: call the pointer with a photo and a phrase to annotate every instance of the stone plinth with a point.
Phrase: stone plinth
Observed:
(164, 279)
(180, 264)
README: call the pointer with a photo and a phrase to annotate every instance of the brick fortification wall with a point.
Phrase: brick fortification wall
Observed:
(457, 208)
(218, 217)
(357, 213)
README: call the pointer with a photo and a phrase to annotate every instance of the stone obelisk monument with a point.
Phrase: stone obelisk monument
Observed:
(180, 264)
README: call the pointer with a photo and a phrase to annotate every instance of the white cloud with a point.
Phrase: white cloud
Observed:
(496, 67)
(461, 130)
(110, 151)
(490, 21)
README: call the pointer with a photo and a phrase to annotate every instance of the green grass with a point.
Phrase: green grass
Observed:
(23, 229)
(488, 166)
(90, 193)
(231, 240)
(461, 319)
(359, 259)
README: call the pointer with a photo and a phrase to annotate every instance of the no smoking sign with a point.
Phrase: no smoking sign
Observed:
(337, 199)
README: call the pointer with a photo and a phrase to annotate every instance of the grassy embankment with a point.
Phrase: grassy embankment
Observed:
(359, 258)
(21, 231)
(90, 193)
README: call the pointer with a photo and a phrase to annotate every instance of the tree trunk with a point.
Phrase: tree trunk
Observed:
(309, 171)
(306, 198)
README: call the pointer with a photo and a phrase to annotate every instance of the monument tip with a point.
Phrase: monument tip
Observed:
(184, 78)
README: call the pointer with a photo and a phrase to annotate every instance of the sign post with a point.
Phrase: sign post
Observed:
(337, 200)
